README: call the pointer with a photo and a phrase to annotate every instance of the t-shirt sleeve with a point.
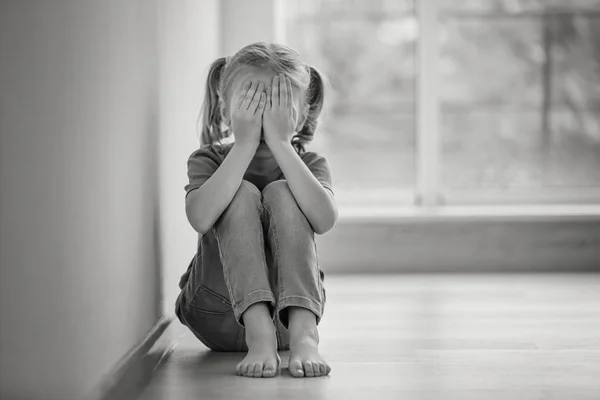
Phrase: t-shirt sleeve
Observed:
(201, 165)
(320, 168)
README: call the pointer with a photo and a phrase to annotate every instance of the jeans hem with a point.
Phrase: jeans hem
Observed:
(300, 301)
(251, 298)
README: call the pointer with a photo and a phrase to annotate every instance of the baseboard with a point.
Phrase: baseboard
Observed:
(136, 368)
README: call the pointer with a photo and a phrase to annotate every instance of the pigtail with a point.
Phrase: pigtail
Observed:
(210, 114)
(315, 101)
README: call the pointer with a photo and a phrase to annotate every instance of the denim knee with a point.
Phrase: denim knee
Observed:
(279, 199)
(247, 197)
(278, 193)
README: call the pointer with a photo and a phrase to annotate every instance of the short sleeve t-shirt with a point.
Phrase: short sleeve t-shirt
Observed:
(203, 163)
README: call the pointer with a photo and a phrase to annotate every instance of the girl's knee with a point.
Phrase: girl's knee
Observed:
(278, 192)
(247, 197)
(280, 204)
(247, 190)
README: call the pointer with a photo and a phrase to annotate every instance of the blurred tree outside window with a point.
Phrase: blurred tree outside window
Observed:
(520, 102)
(519, 92)
(367, 51)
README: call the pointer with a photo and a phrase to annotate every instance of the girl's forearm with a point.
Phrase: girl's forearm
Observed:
(316, 202)
(206, 204)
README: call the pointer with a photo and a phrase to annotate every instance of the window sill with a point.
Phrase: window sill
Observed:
(463, 239)
(491, 212)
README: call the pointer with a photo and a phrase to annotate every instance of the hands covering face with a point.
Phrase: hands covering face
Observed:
(279, 116)
(272, 110)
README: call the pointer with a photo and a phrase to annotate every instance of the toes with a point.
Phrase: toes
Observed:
(249, 370)
(268, 373)
(308, 369)
(258, 367)
(296, 368)
(269, 370)
(317, 368)
(323, 369)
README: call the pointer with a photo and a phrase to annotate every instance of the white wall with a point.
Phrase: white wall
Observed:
(80, 279)
(195, 33)
(99, 102)
(189, 44)
(245, 22)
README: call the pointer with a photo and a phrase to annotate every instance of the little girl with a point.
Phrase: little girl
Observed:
(255, 284)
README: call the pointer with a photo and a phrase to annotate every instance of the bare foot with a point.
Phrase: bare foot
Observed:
(305, 360)
(262, 360)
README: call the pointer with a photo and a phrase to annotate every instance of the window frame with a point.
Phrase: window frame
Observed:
(430, 199)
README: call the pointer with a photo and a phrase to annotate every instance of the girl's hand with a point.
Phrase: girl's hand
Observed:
(246, 116)
(279, 117)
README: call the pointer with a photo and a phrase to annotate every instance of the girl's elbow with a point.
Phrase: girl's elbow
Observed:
(201, 225)
(196, 222)
(201, 229)
(198, 226)
(325, 225)
(322, 231)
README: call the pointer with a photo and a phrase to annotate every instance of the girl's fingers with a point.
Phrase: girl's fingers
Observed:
(243, 93)
(290, 93)
(294, 115)
(256, 98)
(283, 91)
(261, 103)
(275, 92)
(249, 96)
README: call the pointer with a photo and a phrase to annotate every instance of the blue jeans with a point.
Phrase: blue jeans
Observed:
(261, 249)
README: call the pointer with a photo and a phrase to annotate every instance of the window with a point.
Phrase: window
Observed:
(511, 113)
(367, 51)
(520, 97)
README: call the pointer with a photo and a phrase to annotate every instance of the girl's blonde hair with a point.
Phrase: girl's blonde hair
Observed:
(279, 58)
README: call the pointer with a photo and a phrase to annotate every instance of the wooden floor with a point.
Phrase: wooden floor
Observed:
(426, 337)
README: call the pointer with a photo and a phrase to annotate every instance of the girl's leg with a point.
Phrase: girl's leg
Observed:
(240, 240)
(232, 260)
(299, 280)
